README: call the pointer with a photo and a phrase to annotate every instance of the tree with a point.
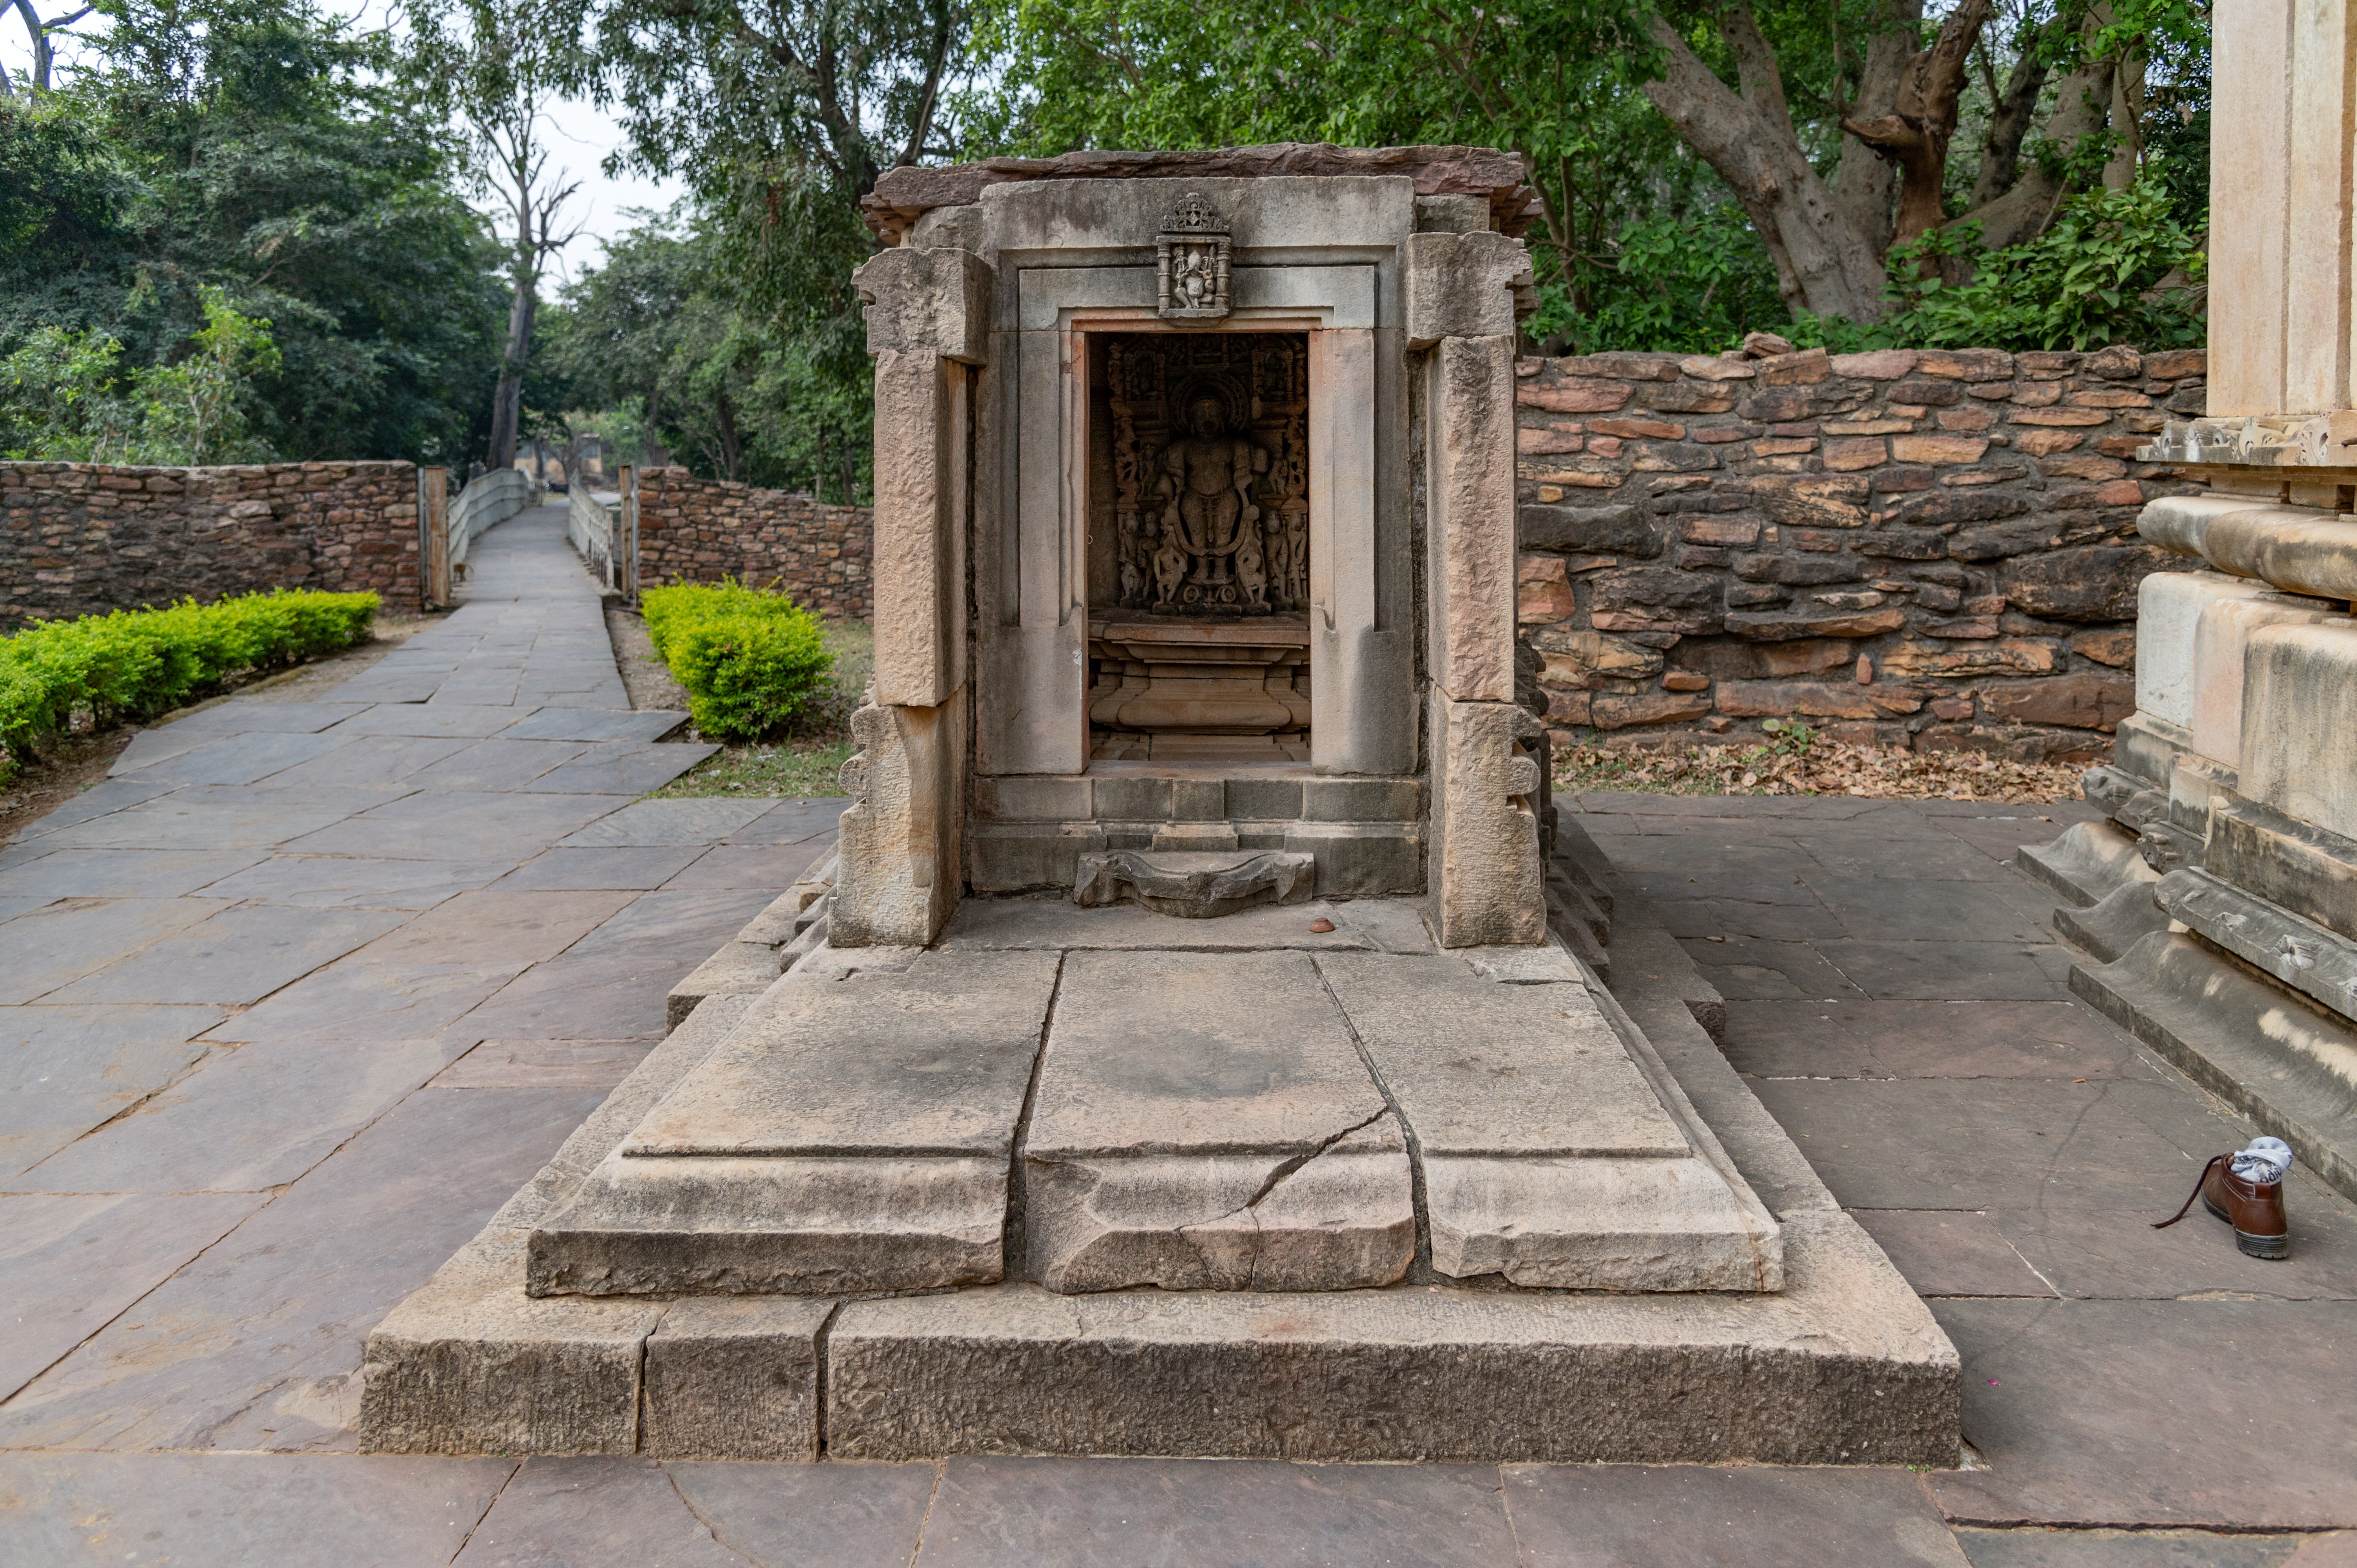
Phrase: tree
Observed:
(256, 147)
(1831, 126)
(658, 330)
(44, 52)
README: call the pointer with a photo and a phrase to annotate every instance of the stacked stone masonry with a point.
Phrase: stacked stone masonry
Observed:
(700, 531)
(1931, 549)
(80, 539)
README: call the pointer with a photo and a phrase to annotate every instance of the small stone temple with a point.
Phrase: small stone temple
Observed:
(1194, 537)
(1206, 1039)
(2221, 890)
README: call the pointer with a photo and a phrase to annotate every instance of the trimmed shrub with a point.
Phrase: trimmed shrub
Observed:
(135, 665)
(752, 661)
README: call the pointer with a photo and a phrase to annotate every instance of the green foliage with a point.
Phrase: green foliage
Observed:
(663, 329)
(753, 663)
(265, 149)
(61, 400)
(2116, 267)
(134, 664)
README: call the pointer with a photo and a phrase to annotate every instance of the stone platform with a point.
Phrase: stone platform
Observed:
(1334, 1196)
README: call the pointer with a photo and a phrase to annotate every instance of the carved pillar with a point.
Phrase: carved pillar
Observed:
(928, 322)
(1487, 881)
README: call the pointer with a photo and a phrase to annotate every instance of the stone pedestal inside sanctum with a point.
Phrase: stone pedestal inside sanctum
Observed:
(2220, 891)
(1201, 1042)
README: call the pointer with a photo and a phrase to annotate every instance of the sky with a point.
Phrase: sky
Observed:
(580, 136)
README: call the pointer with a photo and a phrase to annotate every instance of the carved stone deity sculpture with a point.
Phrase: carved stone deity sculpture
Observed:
(1206, 476)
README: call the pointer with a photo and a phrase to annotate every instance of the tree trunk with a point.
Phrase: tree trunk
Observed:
(1862, 183)
(2082, 105)
(507, 402)
(1914, 134)
(1825, 262)
(2008, 126)
(732, 450)
(2127, 119)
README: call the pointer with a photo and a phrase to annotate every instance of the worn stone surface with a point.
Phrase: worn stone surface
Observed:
(1147, 1153)
(899, 839)
(735, 1378)
(1473, 284)
(1486, 885)
(1472, 564)
(1018, 1369)
(1194, 886)
(852, 1134)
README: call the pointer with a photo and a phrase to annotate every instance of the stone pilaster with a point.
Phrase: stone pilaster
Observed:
(928, 322)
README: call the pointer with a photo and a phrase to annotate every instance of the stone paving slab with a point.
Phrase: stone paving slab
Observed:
(651, 824)
(1953, 1251)
(69, 1069)
(239, 956)
(372, 762)
(2221, 1413)
(636, 869)
(221, 817)
(246, 1120)
(1074, 1514)
(100, 800)
(496, 764)
(232, 1511)
(255, 715)
(58, 943)
(621, 768)
(120, 873)
(241, 759)
(673, 925)
(597, 998)
(69, 1265)
(352, 1000)
(497, 925)
(2050, 1548)
(257, 1344)
(579, 724)
(753, 868)
(789, 821)
(458, 826)
(1679, 1515)
(545, 1064)
(328, 882)
(396, 717)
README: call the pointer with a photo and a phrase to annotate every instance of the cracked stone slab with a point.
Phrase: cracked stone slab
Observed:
(1183, 1093)
(1550, 1156)
(853, 1134)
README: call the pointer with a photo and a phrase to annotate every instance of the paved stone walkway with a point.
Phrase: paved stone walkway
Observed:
(292, 1003)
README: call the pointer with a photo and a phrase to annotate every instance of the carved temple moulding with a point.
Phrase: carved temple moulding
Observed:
(1191, 264)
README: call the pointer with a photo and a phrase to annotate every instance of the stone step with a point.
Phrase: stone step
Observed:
(854, 1133)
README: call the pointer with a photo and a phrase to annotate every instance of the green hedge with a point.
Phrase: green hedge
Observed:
(135, 665)
(753, 664)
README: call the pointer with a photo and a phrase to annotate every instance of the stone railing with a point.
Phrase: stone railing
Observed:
(489, 499)
(594, 524)
(84, 538)
(1932, 549)
(699, 531)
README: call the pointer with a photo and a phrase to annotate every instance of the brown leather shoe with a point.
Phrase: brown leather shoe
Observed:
(2254, 1208)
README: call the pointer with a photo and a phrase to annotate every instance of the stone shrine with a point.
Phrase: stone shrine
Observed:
(2220, 893)
(1201, 1041)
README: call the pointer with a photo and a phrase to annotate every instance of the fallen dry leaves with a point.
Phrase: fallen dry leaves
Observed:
(1807, 766)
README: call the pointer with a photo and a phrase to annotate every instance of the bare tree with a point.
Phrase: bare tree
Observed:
(515, 163)
(43, 51)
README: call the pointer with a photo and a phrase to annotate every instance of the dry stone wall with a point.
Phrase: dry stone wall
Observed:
(699, 531)
(84, 538)
(1934, 549)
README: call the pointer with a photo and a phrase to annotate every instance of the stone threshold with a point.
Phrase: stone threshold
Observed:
(1844, 1365)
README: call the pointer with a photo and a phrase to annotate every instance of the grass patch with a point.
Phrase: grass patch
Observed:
(807, 762)
(1799, 761)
